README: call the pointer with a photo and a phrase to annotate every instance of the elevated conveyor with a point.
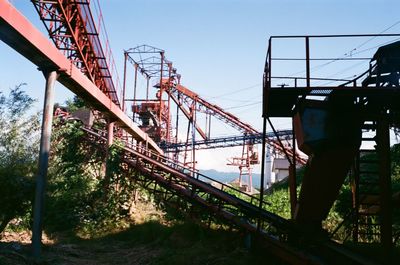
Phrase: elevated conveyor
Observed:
(72, 28)
(176, 91)
(329, 132)
(323, 177)
(22, 36)
(219, 142)
(330, 122)
(205, 199)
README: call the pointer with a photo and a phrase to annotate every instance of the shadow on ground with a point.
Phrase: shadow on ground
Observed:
(148, 243)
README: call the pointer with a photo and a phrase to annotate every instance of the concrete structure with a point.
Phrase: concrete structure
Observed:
(280, 169)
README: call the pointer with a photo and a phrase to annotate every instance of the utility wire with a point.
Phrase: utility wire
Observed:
(350, 53)
(240, 100)
(242, 106)
(235, 91)
(357, 64)
(379, 45)
(221, 96)
(374, 37)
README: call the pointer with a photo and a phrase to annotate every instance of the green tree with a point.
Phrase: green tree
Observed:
(79, 196)
(19, 144)
(74, 104)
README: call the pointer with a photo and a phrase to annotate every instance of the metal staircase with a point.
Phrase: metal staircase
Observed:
(178, 184)
(73, 30)
(366, 192)
(205, 200)
(372, 192)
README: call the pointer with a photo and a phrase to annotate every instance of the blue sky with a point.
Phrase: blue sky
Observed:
(217, 45)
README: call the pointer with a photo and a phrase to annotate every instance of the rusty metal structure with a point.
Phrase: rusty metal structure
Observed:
(76, 58)
(165, 125)
(333, 118)
(228, 141)
(73, 30)
(205, 200)
(22, 36)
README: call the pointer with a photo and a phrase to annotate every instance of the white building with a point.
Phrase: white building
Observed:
(276, 169)
(280, 167)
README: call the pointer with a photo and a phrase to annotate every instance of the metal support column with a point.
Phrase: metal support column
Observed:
(124, 82)
(248, 164)
(134, 90)
(308, 61)
(110, 139)
(187, 141)
(161, 109)
(385, 183)
(266, 86)
(110, 133)
(240, 166)
(147, 87)
(292, 176)
(355, 196)
(194, 139)
(209, 127)
(177, 130)
(51, 77)
(264, 142)
(168, 137)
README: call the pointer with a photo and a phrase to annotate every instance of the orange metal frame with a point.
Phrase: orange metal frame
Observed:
(22, 36)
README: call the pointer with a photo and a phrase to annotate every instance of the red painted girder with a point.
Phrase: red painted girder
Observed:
(244, 127)
(22, 36)
(71, 26)
(187, 114)
(231, 119)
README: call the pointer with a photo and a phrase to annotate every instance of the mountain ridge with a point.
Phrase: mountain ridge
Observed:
(226, 177)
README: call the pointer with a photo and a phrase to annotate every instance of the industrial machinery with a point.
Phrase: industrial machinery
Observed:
(180, 138)
(76, 58)
(343, 125)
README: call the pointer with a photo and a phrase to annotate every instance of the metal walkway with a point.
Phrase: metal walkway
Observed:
(193, 194)
(175, 183)
(22, 36)
(220, 142)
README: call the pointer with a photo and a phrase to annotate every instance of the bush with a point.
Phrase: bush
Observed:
(19, 142)
(82, 195)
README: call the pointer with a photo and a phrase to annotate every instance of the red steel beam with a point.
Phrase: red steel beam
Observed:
(231, 119)
(187, 114)
(226, 116)
(72, 28)
(22, 36)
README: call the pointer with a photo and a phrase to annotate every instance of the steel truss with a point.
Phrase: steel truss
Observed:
(220, 142)
(373, 97)
(152, 64)
(72, 29)
(206, 200)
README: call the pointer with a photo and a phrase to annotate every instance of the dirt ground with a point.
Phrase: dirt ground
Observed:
(15, 248)
(146, 244)
(150, 240)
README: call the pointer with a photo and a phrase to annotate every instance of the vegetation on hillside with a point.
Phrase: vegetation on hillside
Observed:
(340, 214)
(19, 144)
(90, 213)
(81, 196)
(94, 205)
